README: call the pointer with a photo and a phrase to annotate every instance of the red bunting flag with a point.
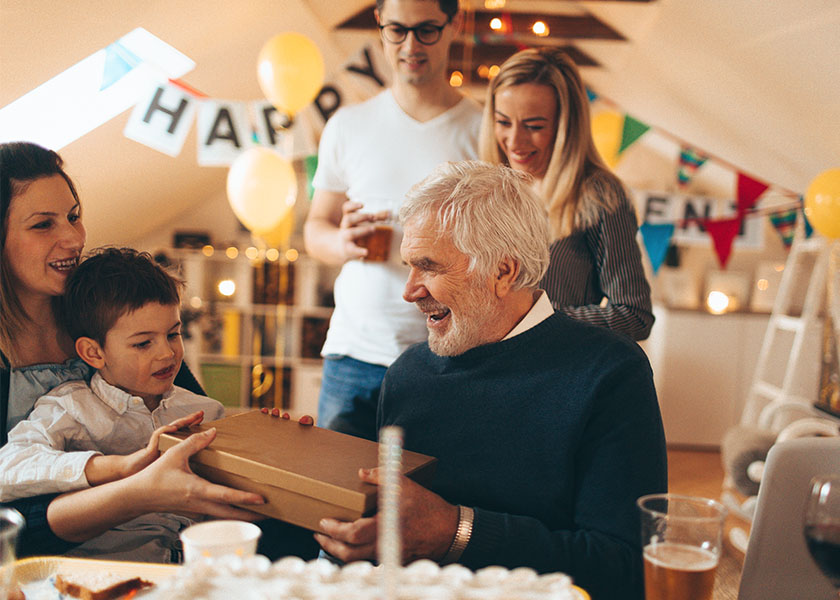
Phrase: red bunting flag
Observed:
(723, 232)
(748, 191)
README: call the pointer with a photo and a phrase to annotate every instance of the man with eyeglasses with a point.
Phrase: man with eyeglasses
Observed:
(370, 155)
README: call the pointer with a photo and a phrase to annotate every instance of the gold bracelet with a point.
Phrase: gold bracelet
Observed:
(462, 535)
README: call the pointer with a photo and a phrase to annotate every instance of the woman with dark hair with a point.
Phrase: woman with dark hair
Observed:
(536, 120)
(41, 240)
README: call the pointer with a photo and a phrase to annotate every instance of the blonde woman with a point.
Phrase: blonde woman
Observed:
(536, 120)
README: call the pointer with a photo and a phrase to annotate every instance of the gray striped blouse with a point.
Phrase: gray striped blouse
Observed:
(596, 275)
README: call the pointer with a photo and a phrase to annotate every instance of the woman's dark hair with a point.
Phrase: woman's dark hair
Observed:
(21, 163)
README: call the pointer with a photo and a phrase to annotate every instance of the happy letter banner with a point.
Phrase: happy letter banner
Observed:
(163, 119)
(225, 128)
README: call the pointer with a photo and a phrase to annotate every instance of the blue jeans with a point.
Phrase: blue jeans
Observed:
(349, 395)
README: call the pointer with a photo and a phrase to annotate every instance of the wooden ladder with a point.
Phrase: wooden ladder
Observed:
(769, 405)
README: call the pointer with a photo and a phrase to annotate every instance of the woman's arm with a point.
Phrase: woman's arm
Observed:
(167, 485)
(618, 262)
(37, 538)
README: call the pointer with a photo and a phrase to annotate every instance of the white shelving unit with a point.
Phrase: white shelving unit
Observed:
(259, 345)
(702, 368)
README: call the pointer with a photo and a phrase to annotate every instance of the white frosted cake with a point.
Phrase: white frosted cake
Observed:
(258, 579)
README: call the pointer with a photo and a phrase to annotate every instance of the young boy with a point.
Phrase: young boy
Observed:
(122, 310)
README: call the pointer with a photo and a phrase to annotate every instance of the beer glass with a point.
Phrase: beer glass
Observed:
(378, 242)
(11, 522)
(682, 538)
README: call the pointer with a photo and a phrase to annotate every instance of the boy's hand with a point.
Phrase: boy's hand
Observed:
(102, 469)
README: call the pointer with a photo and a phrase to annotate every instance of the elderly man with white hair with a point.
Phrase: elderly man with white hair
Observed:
(546, 429)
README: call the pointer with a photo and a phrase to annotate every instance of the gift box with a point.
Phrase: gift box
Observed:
(305, 473)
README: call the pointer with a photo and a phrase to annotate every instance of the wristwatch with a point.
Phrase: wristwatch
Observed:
(462, 535)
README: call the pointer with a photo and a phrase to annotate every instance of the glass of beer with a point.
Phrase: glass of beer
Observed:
(682, 538)
(378, 243)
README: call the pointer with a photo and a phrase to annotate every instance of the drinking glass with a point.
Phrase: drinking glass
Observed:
(378, 243)
(821, 525)
(11, 522)
(682, 539)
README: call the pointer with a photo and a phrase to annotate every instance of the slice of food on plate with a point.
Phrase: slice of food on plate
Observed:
(98, 585)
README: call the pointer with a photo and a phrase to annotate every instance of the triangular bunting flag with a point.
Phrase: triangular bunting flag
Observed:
(632, 131)
(507, 24)
(690, 160)
(723, 232)
(119, 60)
(656, 237)
(785, 224)
(748, 191)
(809, 230)
(311, 164)
(591, 95)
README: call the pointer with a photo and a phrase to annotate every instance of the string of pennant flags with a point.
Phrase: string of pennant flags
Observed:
(657, 234)
(657, 237)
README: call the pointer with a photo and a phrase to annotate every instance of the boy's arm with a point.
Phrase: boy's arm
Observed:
(103, 469)
(34, 462)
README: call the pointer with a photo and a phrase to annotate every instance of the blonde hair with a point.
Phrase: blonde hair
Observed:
(489, 212)
(577, 185)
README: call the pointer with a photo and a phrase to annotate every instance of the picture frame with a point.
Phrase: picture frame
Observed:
(193, 240)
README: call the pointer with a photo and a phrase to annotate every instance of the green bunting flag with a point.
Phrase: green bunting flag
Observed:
(633, 130)
(310, 164)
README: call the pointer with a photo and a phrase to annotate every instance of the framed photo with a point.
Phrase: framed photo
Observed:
(190, 239)
(735, 285)
(680, 288)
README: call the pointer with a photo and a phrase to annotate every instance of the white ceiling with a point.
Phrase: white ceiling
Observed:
(752, 82)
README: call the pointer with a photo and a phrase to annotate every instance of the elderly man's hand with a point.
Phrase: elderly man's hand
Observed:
(428, 526)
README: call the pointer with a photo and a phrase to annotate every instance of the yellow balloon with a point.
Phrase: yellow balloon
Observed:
(606, 133)
(290, 70)
(822, 203)
(261, 189)
(279, 236)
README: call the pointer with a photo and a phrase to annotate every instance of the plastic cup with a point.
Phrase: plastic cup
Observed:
(11, 522)
(682, 540)
(219, 538)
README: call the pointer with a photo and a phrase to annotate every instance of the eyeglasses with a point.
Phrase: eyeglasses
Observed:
(425, 33)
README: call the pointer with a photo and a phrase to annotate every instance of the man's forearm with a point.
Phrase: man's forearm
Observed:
(322, 241)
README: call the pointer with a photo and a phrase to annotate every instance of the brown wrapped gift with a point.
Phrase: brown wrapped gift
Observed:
(305, 473)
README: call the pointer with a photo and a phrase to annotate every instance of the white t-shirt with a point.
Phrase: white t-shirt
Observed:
(373, 152)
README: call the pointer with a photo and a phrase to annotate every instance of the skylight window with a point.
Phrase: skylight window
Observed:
(93, 91)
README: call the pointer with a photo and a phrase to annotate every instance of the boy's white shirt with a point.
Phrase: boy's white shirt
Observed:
(47, 452)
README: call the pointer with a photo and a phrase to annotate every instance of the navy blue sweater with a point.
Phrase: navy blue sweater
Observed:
(551, 436)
